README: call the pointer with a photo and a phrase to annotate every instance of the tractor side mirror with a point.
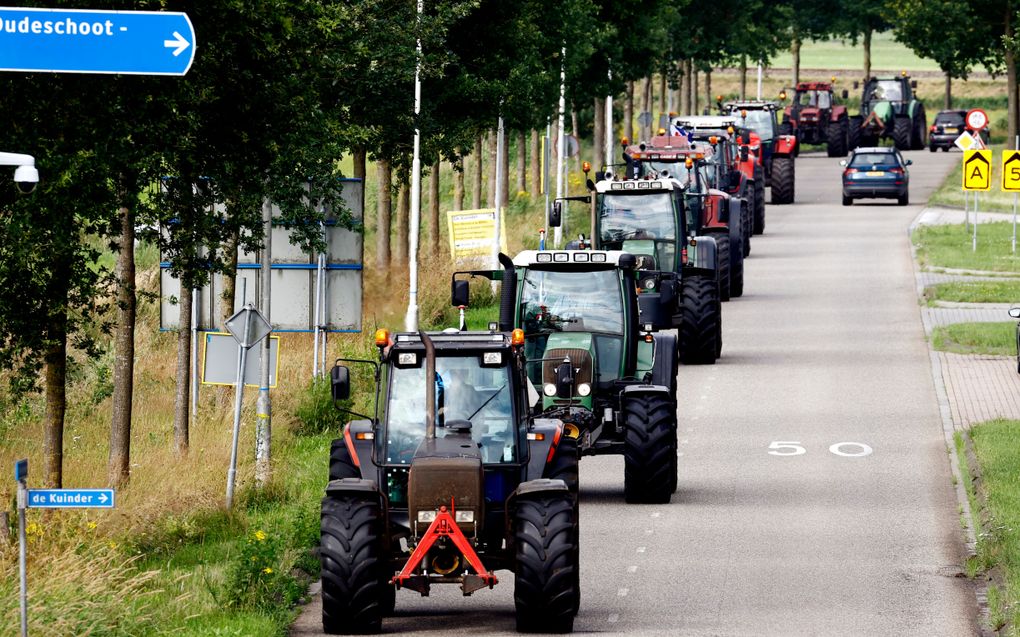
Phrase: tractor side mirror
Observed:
(724, 210)
(460, 293)
(556, 214)
(600, 175)
(1014, 312)
(734, 179)
(340, 386)
(845, 93)
(564, 379)
(590, 185)
(913, 83)
(743, 153)
(856, 85)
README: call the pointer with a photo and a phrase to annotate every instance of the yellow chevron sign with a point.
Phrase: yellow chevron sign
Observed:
(977, 170)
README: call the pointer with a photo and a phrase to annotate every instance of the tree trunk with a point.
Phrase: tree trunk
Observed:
(685, 87)
(384, 213)
(536, 163)
(119, 465)
(662, 98)
(646, 107)
(230, 278)
(403, 215)
(867, 53)
(182, 399)
(949, 92)
(795, 52)
(628, 112)
(434, 207)
(490, 147)
(708, 89)
(476, 193)
(361, 170)
(56, 402)
(694, 88)
(522, 162)
(1012, 112)
(458, 184)
(743, 77)
(577, 135)
(599, 134)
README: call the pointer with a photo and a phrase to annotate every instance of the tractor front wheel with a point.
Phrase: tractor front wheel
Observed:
(919, 129)
(759, 205)
(782, 180)
(746, 222)
(564, 463)
(649, 451)
(737, 269)
(902, 128)
(836, 138)
(723, 251)
(700, 319)
(341, 465)
(546, 581)
(853, 133)
(356, 593)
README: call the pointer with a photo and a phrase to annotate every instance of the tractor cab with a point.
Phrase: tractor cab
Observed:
(889, 109)
(776, 149)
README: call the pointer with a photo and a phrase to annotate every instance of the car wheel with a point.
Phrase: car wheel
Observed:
(903, 199)
(848, 201)
(933, 148)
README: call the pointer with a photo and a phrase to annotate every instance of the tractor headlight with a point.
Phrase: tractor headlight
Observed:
(583, 389)
(426, 517)
(549, 389)
(466, 517)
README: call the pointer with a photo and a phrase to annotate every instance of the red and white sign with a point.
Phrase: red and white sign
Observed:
(976, 119)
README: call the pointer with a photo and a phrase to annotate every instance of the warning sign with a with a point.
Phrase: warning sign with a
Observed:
(1011, 170)
(977, 170)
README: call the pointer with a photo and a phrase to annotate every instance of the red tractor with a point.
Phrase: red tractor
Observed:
(775, 151)
(815, 118)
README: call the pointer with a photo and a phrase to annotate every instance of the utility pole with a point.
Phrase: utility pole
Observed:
(411, 320)
(263, 407)
(561, 142)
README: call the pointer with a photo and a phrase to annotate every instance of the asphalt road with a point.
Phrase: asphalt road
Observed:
(854, 532)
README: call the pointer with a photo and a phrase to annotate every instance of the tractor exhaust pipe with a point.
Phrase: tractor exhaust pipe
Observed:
(507, 294)
(430, 386)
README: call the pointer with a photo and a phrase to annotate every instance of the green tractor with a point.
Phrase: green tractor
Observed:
(889, 109)
(447, 482)
(604, 369)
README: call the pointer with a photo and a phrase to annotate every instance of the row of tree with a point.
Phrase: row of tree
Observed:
(281, 91)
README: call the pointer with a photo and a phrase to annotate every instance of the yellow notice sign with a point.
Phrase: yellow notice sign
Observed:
(1011, 170)
(977, 170)
(472, 232)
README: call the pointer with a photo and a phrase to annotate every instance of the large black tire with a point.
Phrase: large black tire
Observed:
(665, 364)
(700, 320)
(904, 200)
(564, 464)
(835, 138)
(902, 128)
(853, 132)
(919, 131)
(356, 592)
(722, 243)
(759, 204)
(341, 465)
(546, 579)
(649, 451)
(746, 222)
(736, 272)
(782, 180)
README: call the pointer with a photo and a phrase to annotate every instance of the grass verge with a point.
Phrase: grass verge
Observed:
(996, 339)
(949, 246)
(1005, 291)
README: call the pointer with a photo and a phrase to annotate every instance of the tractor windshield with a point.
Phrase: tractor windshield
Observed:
(760, 122)
(641, 215)
(591, 302)
(887, 90)
(465, 390)
(674, 169)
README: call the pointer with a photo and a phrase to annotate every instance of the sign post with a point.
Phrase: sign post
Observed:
(20, 475)
(248, 327)
(977, 176)
(1011, 180)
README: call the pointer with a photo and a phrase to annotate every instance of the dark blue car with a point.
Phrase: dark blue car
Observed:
(878, 172)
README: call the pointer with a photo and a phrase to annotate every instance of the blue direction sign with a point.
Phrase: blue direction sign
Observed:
(70, 498)
(81, 41)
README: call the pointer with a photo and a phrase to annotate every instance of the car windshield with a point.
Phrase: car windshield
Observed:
(465, 390)
(889, 90)
(949, 119)
(637, 215)
(874, 159)
(760, 122)
(571, 301)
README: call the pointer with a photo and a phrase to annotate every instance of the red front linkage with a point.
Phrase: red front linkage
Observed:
(444, 526)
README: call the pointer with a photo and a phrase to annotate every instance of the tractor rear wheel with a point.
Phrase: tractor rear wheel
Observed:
(341, 465)
(746, 221)
(564, 464)
(665, 365)
(919, 129)
(649, 451)
(759, 205)
(853, 133)
(737, 271)
(700, 319)
(546, 581)
(722, 243)
(902, 128)
(782, 180)
(836, 138)
(356, 593)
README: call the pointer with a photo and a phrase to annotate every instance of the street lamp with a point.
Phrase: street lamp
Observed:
(25, 175)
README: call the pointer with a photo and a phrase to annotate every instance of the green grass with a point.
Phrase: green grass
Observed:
(1005, 291)
(998, 339)
(949, 246)
(886, 55)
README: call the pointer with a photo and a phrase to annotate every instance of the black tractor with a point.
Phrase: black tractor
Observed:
(452, 478)
(889, 109)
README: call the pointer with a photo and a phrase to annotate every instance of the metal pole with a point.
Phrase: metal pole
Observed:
(411, 320)
(966, 212)
(609, 124)
(22, 558)
(323, 329)
(974, 247)
(499, 197)
(759, 79)
(263, 406)
(546, 158)
(194, 352)
(242, 359)
(318, 302)
(561, 143)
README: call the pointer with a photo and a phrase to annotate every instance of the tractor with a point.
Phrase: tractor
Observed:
(604, 369)
(715, 213)
(451, 478)
(889, 109)
(776, 151)
(815, 118)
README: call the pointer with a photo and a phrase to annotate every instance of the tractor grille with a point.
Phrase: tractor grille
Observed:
(579, 359)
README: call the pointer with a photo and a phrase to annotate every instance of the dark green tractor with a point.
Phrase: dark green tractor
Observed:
(890, 110)
(600, 364)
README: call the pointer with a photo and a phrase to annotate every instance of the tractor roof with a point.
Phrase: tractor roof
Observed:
(544, 258)
(644, 185)
(751, 105)
(454, 339)
(655, 152)
(814, 86)
(698, 122)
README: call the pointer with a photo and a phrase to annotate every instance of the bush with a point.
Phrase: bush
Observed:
(316, 412)
(258, 577)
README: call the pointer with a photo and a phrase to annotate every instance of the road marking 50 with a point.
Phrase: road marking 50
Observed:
(844, 449)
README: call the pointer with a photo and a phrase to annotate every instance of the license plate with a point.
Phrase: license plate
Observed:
(950, 129)
(875, 173)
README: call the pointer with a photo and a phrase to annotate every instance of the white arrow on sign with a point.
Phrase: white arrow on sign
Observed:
(103, 498)
(178, 42)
